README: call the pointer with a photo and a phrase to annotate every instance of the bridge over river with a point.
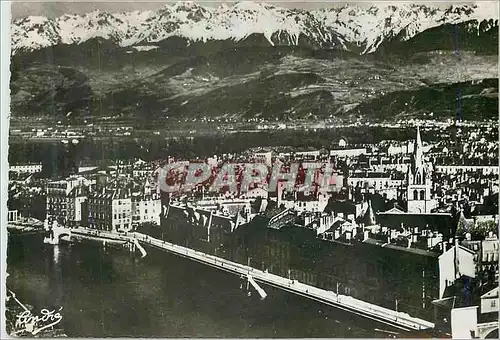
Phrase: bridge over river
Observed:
(254, 276)
(387, 316)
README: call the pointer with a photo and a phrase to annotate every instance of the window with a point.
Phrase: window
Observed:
(415, 195)
(422, 195)
(493, 303)
(418, 179)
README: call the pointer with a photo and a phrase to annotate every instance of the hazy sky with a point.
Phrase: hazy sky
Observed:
(48, 8)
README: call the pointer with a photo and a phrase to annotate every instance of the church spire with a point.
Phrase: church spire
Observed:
(369, 217)
(419, 181)
(418, 150)
(419, 139)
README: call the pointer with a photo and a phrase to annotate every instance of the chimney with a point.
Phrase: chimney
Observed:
(365, 234)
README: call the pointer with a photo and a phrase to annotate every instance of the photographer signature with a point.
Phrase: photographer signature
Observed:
(37, 323)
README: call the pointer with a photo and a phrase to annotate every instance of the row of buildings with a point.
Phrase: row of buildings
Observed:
(112, 203)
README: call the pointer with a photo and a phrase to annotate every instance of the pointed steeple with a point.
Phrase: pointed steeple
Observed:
(369, 218)
(418, 150)
(419, 139)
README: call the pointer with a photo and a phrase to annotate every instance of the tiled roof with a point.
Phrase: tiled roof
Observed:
(338, 206)
(337, 224)
(111, 193)
(437, 222)
(79, 191)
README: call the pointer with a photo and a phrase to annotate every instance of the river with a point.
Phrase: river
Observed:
(111, 292)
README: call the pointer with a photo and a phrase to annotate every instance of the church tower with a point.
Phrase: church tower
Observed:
(418, 181)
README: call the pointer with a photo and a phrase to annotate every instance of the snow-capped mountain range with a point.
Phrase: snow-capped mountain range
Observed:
(363, 27)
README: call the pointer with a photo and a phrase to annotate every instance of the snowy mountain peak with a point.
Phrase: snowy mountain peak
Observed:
(369, 27)
(361, 26)
(252, 6)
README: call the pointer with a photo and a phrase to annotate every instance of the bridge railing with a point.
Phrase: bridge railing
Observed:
(400, 318)
(294, 285)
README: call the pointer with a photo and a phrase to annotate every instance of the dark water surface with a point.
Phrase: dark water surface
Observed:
(111, 292)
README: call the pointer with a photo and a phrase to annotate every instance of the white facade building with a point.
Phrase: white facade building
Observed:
(263, 157)
(306, 204)
(348, 152)
(448, 271)
(59, 202)
(26, 168)
(121, 210)
(146, 209)
(489, 301)
(453, 169)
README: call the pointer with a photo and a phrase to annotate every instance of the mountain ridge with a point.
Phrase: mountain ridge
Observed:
(350, 27)
(478, 36)
(161, 67)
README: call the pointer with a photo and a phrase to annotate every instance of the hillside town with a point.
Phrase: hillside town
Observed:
(425, 205)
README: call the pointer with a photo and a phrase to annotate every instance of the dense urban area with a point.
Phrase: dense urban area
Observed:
(404, 224)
